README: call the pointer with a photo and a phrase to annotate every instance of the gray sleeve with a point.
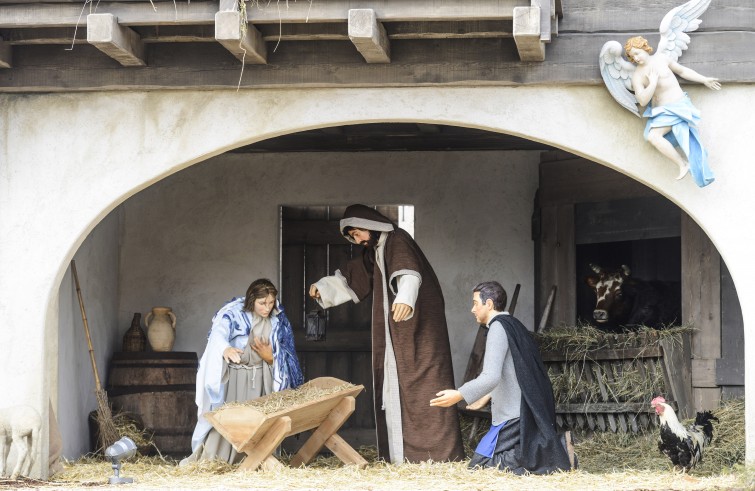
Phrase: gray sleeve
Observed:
(496, 347)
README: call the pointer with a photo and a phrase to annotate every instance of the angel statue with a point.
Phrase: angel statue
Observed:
(672, 119)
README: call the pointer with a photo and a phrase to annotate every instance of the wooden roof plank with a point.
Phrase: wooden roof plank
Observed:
(475, 62)
(198, 12)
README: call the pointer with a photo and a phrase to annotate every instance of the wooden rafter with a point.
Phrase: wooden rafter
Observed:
(369, 36)
(527, 34)
(118, 42)
(242, 39)
(248, 46)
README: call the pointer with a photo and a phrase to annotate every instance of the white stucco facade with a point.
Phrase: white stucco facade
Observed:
(68, 160)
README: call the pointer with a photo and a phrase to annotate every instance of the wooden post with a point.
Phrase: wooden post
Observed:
(547, 310)
(677, 373)
(701, 308)
(344, 451)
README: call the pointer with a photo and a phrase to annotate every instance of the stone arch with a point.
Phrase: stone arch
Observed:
(117, 145)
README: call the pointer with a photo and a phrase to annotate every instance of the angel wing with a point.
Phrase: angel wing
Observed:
(617, 75)
(676, 23)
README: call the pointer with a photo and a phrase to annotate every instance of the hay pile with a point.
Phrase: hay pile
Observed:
(277, 401)
(575, 341)
(126, 425)
(607, 461)
(605, 452)
(580, 379)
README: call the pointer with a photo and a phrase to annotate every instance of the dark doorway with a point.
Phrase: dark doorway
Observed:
(649, 259)
(642, 233)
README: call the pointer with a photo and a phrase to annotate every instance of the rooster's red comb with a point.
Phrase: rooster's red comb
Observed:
(657, 400)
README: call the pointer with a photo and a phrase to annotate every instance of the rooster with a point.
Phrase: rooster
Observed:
(684, 446)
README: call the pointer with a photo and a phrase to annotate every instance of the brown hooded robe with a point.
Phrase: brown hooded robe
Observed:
(421, 345)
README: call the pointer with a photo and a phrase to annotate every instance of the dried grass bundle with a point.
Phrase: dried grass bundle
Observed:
(586, 376)
(728, 446)
(607, 451)
(575, 341)
(284, 399)
(327, 474)
(126, 425)
(623, 383)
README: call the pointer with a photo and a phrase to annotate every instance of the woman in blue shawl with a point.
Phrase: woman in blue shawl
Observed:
(250, 353)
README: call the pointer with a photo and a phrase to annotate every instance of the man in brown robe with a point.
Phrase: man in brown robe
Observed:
(412, 357)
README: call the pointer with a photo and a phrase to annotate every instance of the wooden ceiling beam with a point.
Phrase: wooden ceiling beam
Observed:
(52, 35)
(199, 12)
(450, 29)
(369, 36)
(118, 42)
(273, 33)
(485, 62)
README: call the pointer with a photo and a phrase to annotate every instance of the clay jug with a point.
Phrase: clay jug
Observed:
(161, 328)
(135, 339)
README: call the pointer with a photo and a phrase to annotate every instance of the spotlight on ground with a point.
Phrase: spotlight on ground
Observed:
(123, 449)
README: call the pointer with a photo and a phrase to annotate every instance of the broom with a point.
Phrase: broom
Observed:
(108, 434)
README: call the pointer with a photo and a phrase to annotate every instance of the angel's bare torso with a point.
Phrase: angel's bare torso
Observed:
(667, 89)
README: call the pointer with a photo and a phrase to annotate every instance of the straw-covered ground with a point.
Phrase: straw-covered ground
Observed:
(607, 462)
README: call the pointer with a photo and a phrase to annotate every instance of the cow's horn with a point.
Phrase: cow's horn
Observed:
(626, 269)
(596, 268)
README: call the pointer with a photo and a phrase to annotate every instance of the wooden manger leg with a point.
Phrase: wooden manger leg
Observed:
(345, 452)
(271, 463)
(262, 452)
(326, 432)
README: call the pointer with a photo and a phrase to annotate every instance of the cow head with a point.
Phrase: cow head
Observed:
(611, 306)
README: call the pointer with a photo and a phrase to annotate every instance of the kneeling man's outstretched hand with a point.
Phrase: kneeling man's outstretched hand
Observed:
(446, 398)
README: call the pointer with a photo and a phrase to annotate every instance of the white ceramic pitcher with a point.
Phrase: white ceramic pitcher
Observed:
(161, 328)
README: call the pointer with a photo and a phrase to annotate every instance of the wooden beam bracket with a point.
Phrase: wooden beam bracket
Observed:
(118, 42)
(527, 34)
(248, 46)
(369, 36)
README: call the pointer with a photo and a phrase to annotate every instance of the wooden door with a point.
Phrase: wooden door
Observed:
(312, 247)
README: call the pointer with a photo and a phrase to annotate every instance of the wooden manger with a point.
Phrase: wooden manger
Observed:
(258, 434)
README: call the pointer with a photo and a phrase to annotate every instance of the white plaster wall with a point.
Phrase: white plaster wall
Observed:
(199, 237)
(97, 268)
(67, 160)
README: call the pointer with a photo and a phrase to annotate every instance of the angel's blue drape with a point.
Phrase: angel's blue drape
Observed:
(682, 117)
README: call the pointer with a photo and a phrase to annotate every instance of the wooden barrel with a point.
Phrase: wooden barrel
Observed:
(159, 387)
